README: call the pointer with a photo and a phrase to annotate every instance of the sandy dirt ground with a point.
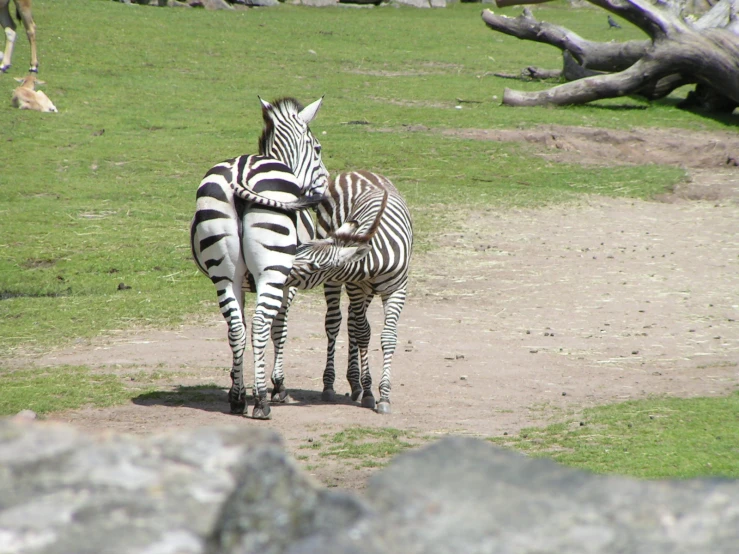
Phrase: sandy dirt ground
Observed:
(517, 318)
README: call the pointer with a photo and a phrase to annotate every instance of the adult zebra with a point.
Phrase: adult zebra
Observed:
(246, 229)
(366, 242)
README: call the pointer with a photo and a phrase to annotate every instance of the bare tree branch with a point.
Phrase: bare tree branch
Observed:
(600, 56)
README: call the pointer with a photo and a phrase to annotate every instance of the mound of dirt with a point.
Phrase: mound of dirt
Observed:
(590, 145)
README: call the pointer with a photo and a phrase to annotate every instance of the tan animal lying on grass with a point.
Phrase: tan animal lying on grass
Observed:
(26, 98)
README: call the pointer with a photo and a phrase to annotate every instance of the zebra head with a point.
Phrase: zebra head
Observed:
(319, 261)
(288, 138)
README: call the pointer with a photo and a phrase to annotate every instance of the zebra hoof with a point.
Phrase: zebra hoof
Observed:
(279, 395)
(262, 412)
(328, 395)
(238, 408)
(237, 400)
(383, 407)
(357, 395)
(368, 401)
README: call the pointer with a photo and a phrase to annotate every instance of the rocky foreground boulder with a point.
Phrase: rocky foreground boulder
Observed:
(236, 491)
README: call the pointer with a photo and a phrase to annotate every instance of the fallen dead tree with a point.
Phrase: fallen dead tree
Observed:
(679, 52)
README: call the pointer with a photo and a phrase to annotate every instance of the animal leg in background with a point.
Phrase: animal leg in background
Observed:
(23, 11)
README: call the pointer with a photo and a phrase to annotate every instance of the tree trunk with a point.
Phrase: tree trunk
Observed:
(704, 52)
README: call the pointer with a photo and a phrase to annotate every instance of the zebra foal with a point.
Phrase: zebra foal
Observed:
(365, 242)
(248, 217)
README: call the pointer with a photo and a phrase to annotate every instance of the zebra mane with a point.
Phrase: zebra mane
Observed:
(286, 103)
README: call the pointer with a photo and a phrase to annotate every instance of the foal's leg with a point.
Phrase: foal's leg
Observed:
(392, 305)
(358, 372)
(332, 294)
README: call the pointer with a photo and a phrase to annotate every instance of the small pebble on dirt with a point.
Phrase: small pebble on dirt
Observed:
(462, 377)
(564, 394)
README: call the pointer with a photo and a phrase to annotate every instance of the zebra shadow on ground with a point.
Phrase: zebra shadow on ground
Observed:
(212, 398)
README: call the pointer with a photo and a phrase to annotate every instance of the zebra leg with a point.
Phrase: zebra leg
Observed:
(269, 244)
(332, 294)
(260, 329)
(217, 252)
(352, 371)
(359, 338)
(230, 299)
(392, 306)
(279, 336)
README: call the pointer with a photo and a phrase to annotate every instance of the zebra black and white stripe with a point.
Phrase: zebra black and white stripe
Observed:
(365, 242)
(249, 216)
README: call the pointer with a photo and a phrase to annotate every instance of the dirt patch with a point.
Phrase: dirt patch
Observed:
(592, 145)
(520, 317)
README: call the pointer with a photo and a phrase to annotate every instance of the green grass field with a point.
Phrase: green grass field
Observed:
(102, 193)
(655, 438)
(149, 98)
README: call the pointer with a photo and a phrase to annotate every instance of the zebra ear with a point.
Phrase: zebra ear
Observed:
(308, 113)
(266, 106)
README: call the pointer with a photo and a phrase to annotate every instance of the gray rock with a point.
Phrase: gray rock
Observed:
(64, 492)
(260, 3)
(235, 491)
(211, 4)
(414, 3)
(273, 511)
(464, 495)
(316, 3)
(25, 415)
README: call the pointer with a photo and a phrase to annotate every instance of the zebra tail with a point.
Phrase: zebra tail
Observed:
(351, 236)
(300, 204)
